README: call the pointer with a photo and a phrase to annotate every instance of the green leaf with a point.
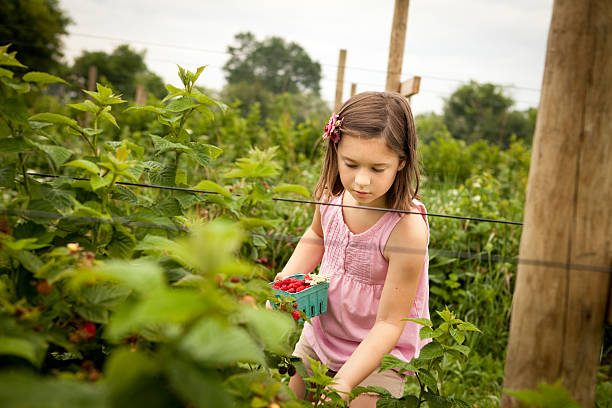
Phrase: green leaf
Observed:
(187, 200)
(8, 58)
(147, 108)
(154, 244)
(58, 154)
(93, 313)
(371, 388)
(437, 401)
(204, 154)
(390, 362)
(426, 333)
(466, 326)
(181, 104)
(19, 87)
(6, 73)
(423, 322)
(29, 261)
(273, 328)
(7, 176)
(429, 380)
(105, 294)
(431, 350)
(14, 145)
(173, 92)
(127, 371)
(211, 343)
(85, 165)
(457, 335)
(85, 106)
(390, 402)
(42, 78)
(107, 116)
(21, 389)
(209, 185)
(202, 388)
(57, 119)
(445, 314)
(31, 348)
(165, 176)
(162, 145)
(98, 182)
(123, 243)
(465, 350)
(104, 96)
(141, 276)
(158, 309)
(291, 188)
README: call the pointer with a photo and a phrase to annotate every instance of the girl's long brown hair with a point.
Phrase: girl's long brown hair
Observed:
(370, 115)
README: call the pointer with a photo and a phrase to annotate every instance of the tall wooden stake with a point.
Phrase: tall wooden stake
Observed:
(353, 89)
(396, 46)
(92, 77)
(558, 311)
(340, 80)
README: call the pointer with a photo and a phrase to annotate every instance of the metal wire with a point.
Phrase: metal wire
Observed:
(293, 200)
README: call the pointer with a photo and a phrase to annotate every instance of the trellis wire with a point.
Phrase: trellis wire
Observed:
(291, 200)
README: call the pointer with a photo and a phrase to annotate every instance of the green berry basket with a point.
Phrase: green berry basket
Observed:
(312, 301)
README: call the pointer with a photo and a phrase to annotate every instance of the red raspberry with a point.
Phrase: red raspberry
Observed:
(296, 315)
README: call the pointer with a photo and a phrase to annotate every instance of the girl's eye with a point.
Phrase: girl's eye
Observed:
(378, 170)
(352, 166)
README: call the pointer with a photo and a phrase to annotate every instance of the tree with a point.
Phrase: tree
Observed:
(34, 28)
(482, 112)
(274, 64)
(124, 69)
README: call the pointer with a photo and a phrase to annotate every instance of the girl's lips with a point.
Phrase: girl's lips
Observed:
(360, 193)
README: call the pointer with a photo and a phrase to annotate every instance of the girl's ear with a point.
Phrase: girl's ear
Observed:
(402, 164)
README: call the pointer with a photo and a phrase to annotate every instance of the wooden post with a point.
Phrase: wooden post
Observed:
(353, 89)
(558, 311)
(340, 80)
(141, 95)
(410, 87)
(396, 46)
(92, 77)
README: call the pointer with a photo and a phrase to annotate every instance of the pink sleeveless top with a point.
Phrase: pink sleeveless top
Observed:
(358, 270)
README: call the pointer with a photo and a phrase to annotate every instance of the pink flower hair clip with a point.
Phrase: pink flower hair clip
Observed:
(332, 129)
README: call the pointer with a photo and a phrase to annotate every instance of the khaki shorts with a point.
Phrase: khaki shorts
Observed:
(389, 379)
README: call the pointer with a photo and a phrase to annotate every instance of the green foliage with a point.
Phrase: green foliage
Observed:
(546, 396)
(446, 345)
(35, 29)
(123, 69)
(476, 112)
(276, 65)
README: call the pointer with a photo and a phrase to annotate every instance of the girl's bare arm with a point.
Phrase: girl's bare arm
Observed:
(309, 250)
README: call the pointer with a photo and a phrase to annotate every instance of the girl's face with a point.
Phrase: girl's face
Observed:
(367, 169)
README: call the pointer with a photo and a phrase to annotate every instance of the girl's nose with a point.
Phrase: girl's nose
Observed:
(362, 179)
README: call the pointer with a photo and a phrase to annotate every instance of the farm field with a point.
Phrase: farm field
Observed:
(114, 294)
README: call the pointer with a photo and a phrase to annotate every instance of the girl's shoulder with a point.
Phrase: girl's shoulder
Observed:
(412, 227)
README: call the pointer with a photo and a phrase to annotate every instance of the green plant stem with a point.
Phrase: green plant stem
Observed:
(24, 173)
(95, 138)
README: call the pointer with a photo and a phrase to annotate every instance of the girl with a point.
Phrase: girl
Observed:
(377, 261)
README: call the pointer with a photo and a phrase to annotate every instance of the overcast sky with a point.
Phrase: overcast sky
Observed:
(448, 42)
